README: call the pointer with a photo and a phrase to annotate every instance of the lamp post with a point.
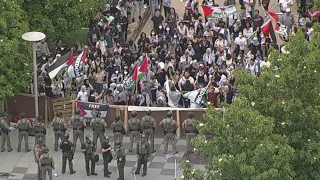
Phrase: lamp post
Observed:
(34, 37)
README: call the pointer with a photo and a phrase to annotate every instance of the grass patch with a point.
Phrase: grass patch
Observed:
(80, 34)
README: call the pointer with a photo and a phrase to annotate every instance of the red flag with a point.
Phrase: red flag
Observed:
(275, 17)
(144, 67)
(207, 10)
(84, 56)
(265, 28)
(135, 73)
(71, 59)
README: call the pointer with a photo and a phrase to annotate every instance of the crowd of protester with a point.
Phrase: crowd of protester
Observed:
(185, 52)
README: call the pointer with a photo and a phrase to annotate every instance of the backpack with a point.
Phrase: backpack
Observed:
(169, 126)
(142, 149)
(46, 161)
(133, 124)
(56, 125)
(98, 126)
(148, 123)
(38, 128)
(24, 125)
(77, 122)
(190, 127)
(118, 127)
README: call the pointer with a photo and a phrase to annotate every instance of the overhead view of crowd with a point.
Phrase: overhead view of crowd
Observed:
(183, 52)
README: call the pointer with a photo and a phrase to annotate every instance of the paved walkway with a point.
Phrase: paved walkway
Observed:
(22, 165)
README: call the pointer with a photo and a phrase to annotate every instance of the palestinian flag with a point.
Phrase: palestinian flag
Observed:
(59, 66)
(141, 71)
(219, 12)
(207, 11)
(198, 96)
(268, 30)
(87, 109)
(274, 17)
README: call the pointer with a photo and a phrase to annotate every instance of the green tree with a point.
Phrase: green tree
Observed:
(242, 145)
(15, 59)
(289, 93)
(272, 131)
(57, 18)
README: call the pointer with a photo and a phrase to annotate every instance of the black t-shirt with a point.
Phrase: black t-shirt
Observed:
(157, 21)
(106, 145)
(196, 16)
(257, 22)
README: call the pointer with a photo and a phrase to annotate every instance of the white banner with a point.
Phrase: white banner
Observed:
(143, 108)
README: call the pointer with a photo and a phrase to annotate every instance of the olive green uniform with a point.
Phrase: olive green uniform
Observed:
(191, 132)
(47, 165)
(169, 127)
(143, 151)
(59, 128)
(148, 125)
(99, 126)
(89, 149)
(24, 126)
(121, 161)
(5, 136)
(118, 130)
(78, 124)
(40, 131)
(134, 131)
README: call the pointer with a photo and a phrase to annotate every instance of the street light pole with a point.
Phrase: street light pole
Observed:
(35, 79)
(34, 37)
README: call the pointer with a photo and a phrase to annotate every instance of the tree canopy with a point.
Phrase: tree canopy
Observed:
(15, 59)
(272, 131)
(55, 18)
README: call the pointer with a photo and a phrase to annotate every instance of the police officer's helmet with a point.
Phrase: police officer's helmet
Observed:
(66, 136)
(106, 138)
(148, 112)
(78, 112)
(39, 141)
(190, 114)
(134, 113)
(117, 118)
(169, 114)
(22, 115)
(46, 149)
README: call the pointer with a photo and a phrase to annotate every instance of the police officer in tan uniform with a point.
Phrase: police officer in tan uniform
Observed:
(118, 130)
(134, 129)
(5, 130)
(190, 130)
(148, 125)
(47, 164)
(99, 125)
(169, 127)
(40, 130)
(79, 124)
(24, 127)
(59, 127)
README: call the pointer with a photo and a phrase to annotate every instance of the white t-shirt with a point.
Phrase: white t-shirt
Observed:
(284, 4)
(83, 96)
(242, 42)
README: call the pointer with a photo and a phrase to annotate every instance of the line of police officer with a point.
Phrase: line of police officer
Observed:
(139, 131)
